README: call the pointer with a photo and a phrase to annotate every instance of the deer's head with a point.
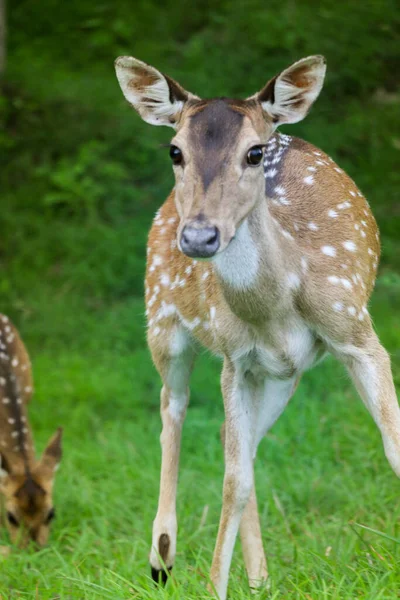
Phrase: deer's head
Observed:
(217, 151)
(28, 495)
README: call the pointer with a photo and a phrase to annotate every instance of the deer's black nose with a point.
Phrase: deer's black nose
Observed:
(200, 242)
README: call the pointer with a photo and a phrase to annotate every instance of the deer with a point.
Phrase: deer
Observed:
(266, 254)
(26, 484)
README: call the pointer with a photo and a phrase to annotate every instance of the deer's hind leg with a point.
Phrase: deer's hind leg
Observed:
(173, 356)
(369, 366)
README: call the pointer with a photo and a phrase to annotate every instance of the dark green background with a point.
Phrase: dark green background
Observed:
(81, 175)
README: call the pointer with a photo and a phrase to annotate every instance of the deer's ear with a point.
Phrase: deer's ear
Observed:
(51, 456)
(288, 97)
(157, 98)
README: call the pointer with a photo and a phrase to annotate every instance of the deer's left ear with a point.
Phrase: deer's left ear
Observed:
(288, 97)
(157, 98)
(51, 456)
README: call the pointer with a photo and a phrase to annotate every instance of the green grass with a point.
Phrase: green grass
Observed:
(329, 502)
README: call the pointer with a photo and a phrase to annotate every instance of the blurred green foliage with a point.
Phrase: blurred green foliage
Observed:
(81, 175)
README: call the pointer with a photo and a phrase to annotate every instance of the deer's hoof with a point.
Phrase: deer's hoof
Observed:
(160, 576)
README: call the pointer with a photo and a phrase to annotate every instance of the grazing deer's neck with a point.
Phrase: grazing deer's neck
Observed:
(16, 441)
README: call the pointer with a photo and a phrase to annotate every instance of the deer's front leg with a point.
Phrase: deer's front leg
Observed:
(270, 398)
(250, 533)
(174, 365)
(240, 406)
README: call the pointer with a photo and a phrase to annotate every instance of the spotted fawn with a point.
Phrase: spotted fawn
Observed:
(25, 483)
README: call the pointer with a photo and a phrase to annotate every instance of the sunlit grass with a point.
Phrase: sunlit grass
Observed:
(329, 502)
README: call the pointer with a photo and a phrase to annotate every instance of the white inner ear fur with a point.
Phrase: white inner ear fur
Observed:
(152, 101)
(287, 93)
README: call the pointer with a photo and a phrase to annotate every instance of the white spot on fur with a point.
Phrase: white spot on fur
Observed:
(270, 173)
(328, 250)
(332, 213)
(293, 280)
(157, 261)
(349, 245)
(313, 226)
(280, 190)
(333, 279)
(309, 180)
(164, 279)
(352, 310)
(346, 283)
(311, 169)
(344, 205)
(337, 306)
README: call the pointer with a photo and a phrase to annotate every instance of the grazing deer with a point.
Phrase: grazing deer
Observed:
(26, 484)
(266, 253)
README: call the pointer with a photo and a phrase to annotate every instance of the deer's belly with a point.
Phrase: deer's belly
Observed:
(275, 352)
(295, 352)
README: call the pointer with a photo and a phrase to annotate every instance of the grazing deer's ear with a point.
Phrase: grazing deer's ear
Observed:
(288, 97)
(51, 456)
(157, 98)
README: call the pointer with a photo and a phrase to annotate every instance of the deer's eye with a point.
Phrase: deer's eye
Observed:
(254, 156)
(11, 519)
(176, 155)
(50, 516)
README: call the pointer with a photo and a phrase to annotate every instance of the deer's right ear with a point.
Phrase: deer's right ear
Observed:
(157, 98)
(51, 456)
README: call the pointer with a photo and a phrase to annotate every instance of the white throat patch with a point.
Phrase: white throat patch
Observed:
(238, 264)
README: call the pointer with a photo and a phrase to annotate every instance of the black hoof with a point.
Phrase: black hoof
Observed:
(160, 576)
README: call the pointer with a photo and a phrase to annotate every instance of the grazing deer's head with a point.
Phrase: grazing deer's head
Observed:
(217, 151)
(28, 496)
(25, 483)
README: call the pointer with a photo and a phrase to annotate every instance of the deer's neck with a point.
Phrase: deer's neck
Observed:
(251, 271)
